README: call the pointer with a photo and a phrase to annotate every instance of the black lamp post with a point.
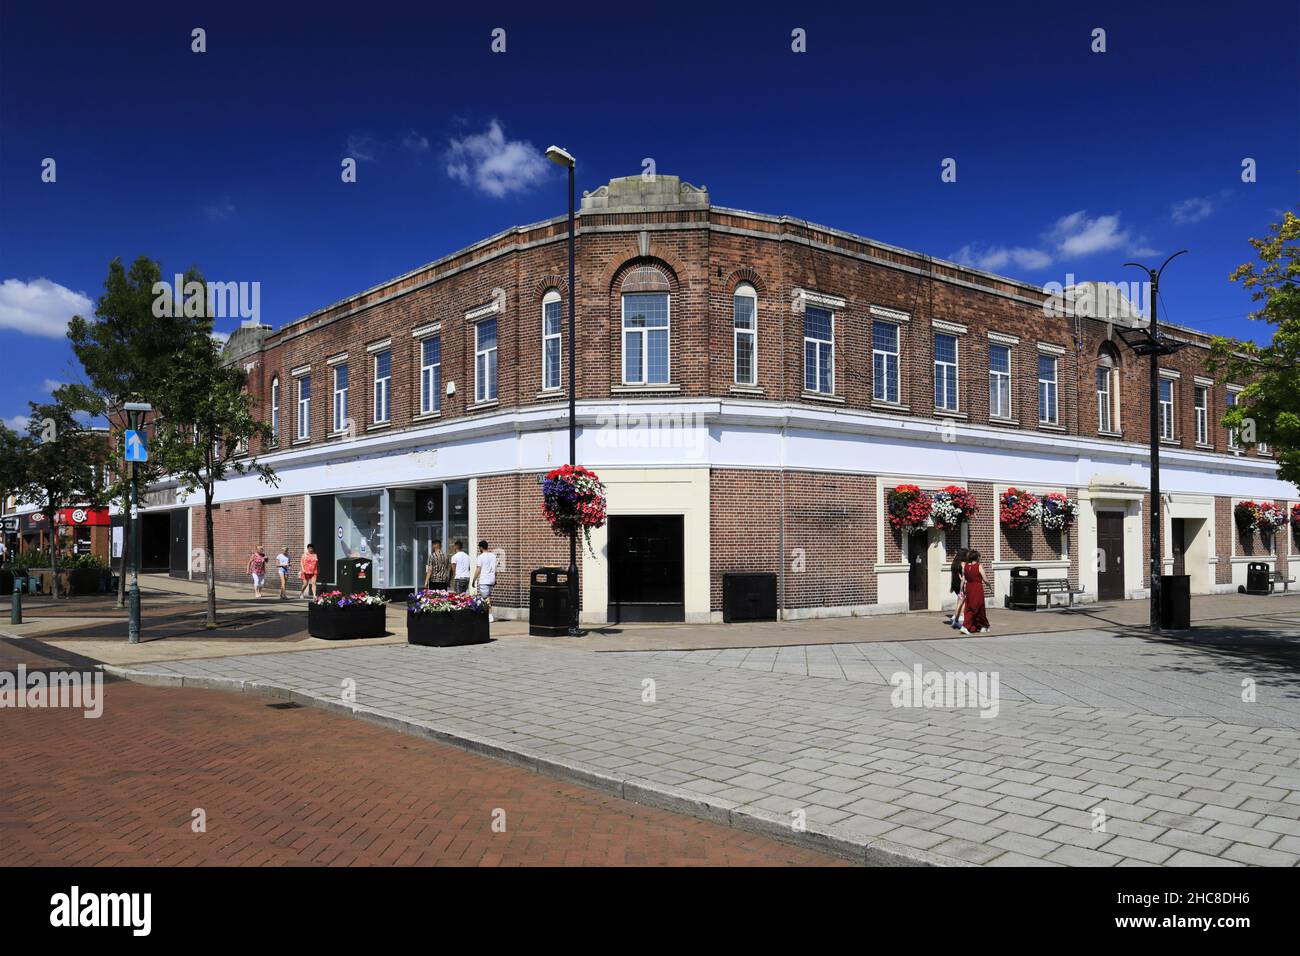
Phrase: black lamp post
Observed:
(1151, 343)
(562, 157)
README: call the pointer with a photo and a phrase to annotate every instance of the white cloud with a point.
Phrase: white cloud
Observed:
(489, 162)
(223, 209)
(363, 148)
(49, 385)
(415, 142)
(39, 307)
(18, 422)
(993, 258)
(1191, 210)
(1077, 235)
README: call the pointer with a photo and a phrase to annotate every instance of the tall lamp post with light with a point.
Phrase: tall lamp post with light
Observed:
(1151, 343)
(134, 410)
(562, 157)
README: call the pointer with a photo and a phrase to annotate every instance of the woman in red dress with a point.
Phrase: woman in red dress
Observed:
(975, 619)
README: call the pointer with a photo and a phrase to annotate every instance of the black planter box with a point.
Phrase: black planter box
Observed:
(6, 583)
(347, 623)
(447, 628)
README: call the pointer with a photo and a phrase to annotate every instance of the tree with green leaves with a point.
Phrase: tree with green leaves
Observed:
(1268, 408)
(206, 425)
(62, 464)
(126, 351)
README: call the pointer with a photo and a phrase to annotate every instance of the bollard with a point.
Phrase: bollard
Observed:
(16, 607)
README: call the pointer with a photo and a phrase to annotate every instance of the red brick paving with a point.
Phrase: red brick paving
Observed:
(303, 787)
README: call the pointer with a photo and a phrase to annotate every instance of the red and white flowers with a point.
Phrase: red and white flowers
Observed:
(434, 602)
(573, 498)
(951, 506)
(1270, 518)
(340, 600)
(1245, 514)
(1295, 517)
(1057, 512)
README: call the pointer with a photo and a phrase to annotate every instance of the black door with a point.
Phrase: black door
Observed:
(918, 584)
(323, 535)
(155, 541)
(1178, 543)
(1110, 556)
(178, 565)
(646, 568)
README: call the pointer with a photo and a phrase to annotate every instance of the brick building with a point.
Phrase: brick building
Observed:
(750, 387)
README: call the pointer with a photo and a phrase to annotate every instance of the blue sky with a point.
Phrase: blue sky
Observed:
(1068, 161)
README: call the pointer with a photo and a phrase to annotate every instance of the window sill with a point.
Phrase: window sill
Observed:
(1005, 422)
(301, 441)
(551, 393)
(822, 397)
(427, 416)
(747, 390)
(1204, 446)
(1049, 427)
(1106, 433)
(942, 413)
(1171, 441)
(634, 389)
(379, 426)
(483, 406)
(891, 406)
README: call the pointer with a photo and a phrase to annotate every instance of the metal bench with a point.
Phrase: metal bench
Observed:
(1275, 578)
(1050, 586)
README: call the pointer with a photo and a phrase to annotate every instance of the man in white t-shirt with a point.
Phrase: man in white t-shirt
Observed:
(460, 567)
(485, 574)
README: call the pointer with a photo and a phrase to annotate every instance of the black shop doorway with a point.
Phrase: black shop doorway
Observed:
(647, 561)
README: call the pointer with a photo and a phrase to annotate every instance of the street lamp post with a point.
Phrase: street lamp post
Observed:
(133, 411)
(562, 157)
(1151, 343)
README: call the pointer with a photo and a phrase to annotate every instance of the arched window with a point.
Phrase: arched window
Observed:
(646, 327)
(551, 341)
(1107, 388)
(744, 320)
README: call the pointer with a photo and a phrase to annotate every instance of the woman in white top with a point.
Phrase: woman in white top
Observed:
(282, 568)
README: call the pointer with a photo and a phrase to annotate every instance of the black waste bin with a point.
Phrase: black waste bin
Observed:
(1024, 589)
(1175, 602)
(355, 575)
(549, 610)
(748, 596)
(1257, 578)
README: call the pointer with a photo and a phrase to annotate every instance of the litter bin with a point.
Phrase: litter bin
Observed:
(1175, 602)
(354, 575)
(1257, 578)
(1024, 589)
(549, 610)
(748, 597)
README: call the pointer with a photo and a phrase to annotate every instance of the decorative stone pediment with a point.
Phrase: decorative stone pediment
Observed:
(645, 192)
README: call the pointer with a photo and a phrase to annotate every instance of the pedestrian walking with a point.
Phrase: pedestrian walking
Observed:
(485, 575)
(460, 567)
(958, 587)
(308, 565)
(282, 569)
(977, 585)
(257, 568)
(437, 569)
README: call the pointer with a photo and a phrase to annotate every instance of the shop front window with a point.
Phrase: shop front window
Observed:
(403, 573)
(360, 520)
(458, 514)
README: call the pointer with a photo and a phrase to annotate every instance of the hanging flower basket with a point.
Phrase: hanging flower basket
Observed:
(1057, 512)
(1245, 514)
(573, 498)
(1295, 518)
(907, 507)
(951, 506)
(1270, 518)
(1019, 509)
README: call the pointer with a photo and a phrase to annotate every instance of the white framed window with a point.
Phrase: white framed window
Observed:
(744, 321)
(884, 361)
(999, 380)
(1201, 401)
(552, 341)
(1048, 413)
(1104, 422)
(275, 410)
(340, 397)
(818, 350)
(646, 338)
(945, 372)
(304, 407)
(1167, 408)
(1229, 403)
(383, 385)
(485, 360)
(430, 374)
